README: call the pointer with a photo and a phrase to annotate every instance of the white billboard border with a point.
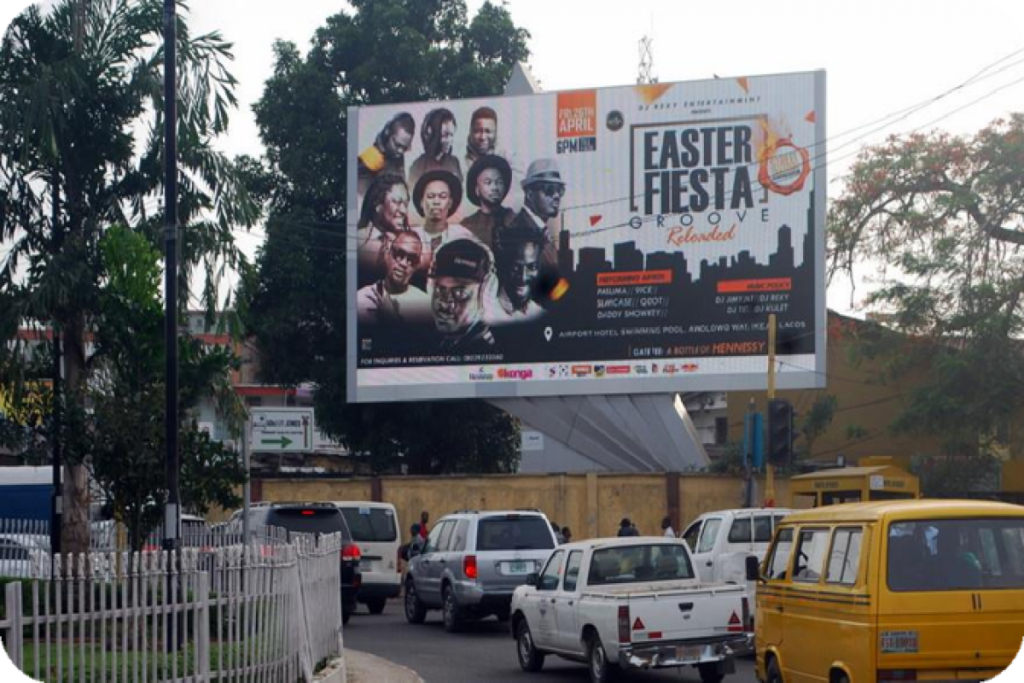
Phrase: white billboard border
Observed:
(733, 382)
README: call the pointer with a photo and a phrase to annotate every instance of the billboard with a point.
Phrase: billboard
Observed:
(617, 240)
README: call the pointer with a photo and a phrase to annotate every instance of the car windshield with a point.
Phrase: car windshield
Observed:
(309, 520)
(371, 525)
(639, 563)
(956, 554)
(514, 532)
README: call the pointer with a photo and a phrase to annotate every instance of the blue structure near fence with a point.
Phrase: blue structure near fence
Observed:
(25, 492)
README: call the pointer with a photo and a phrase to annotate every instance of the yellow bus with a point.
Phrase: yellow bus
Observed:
(917, 590)
(854, 485)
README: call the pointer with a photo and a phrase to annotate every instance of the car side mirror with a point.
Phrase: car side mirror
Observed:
(753, 568)
(532, 579)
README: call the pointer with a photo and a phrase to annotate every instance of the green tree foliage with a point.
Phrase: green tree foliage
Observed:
(81, 121)
(816, 422)
(943, 217)
(380, 52)
(126, 427)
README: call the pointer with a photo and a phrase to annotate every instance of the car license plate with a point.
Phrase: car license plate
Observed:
(687, 653)
(366, 565)
(518, 567)
(899, 642)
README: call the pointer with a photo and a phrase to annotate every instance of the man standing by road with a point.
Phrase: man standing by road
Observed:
(392, 300)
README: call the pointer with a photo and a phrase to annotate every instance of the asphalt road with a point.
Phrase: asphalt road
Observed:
(485, 653)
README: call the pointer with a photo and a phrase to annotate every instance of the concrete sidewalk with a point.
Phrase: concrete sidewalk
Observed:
(367, 668)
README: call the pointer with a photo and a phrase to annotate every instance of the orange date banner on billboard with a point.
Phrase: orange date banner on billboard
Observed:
(639, 277)
(577, 113)
(778, 284)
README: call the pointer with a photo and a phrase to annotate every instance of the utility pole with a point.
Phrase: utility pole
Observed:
(172, 509)
(247, 487)
(769, 494)
(57, 502)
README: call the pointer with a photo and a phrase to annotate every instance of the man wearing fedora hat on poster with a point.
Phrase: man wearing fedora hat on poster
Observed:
(543, 189)
(460, 278)
(487, 185)
(437, 196)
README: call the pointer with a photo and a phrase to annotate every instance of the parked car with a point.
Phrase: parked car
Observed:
(22, 555)
(721, 541)
(919, 590)
(375, 529)
(312, 518)
(629, 603)
(473, 561)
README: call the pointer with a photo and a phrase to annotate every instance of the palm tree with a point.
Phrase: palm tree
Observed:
(81, 121)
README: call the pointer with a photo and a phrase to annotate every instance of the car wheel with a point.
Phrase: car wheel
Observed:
(773, 674)
(530, 658)
(502, 616)
(452, 613)
(376, 605)
(415, 612)
(709, 673)
(601, 670)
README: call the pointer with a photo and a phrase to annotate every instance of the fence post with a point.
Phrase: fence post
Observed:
(203, 627)
(16, 619)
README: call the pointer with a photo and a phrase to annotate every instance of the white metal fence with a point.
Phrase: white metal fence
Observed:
(266, 611)
(24, 541)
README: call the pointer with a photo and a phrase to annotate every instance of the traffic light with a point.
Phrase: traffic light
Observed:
(780, 431)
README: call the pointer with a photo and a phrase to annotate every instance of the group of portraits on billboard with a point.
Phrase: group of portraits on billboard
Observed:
(455, 243)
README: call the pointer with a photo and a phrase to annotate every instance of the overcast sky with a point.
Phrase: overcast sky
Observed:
(880, 57)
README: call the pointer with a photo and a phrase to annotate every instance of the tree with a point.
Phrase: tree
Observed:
(816, 422)
(76, 85)
(944, 218)
(383, 51)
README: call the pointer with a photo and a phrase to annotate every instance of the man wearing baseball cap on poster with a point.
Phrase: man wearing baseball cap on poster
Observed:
(461, 278)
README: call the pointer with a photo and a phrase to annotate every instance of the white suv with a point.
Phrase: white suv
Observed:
(473, 562)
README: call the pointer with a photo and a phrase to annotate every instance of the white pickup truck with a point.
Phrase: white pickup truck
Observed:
(622, 603)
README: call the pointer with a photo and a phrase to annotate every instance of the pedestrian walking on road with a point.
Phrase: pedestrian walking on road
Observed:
(666, 526)
(626, 528)
(559, 536)
(567, 534)
(424, 527)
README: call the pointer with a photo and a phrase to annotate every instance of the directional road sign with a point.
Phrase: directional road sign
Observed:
(277, 430)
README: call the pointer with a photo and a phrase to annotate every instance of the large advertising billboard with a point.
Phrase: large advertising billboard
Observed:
(618, 240)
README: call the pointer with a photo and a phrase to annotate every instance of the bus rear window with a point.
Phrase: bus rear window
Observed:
(956, 554)
(371, 525)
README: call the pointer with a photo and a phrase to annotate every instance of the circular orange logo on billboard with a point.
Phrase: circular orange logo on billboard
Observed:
(784, 168)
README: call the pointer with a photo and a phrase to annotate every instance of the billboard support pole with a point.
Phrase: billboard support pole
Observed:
(748, 455)
(769, 494)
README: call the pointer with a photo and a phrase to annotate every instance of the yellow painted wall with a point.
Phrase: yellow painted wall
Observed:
(590, 504)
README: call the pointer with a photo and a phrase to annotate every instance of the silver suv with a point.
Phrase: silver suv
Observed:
(473, 561)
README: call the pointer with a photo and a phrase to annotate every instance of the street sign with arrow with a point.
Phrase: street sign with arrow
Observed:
(282, 430)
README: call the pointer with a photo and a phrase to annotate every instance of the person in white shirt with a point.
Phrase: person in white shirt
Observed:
(517, 254)
(392, 300)
(437, 196)
(666, 525)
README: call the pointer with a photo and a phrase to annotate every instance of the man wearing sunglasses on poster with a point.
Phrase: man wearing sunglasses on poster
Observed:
(461, 278)
(392, 300)
(543, 189)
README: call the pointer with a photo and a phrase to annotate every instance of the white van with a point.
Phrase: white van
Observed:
(721, 541)
(377, 532)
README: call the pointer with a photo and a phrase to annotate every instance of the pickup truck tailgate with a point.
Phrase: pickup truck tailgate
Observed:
(690, 613)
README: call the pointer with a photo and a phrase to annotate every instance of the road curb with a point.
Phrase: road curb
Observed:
(366, 668)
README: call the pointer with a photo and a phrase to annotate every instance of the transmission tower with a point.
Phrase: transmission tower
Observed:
(646, 69)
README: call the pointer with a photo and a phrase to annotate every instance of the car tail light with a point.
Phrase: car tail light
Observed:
(351, 552)
(469, 566)
(624, 632)
(896, 675)
(735, 625)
